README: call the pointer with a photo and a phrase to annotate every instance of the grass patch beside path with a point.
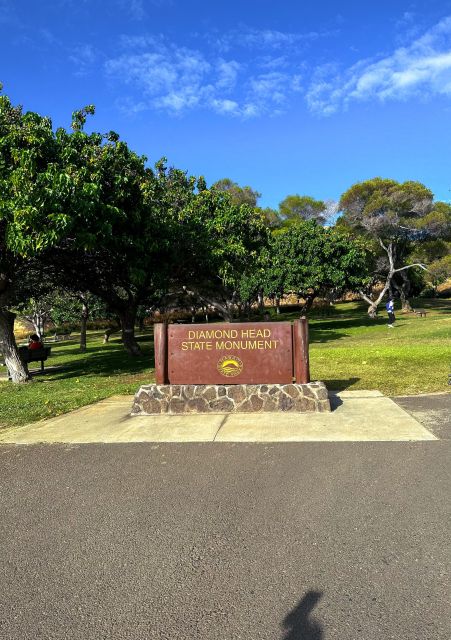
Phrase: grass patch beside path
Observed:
(103, 371)
(347, 351)
(354, 352)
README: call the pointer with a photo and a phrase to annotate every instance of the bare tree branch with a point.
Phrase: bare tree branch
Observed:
(415, 264)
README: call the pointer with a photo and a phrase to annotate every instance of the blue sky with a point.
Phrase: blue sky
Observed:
(281, 96)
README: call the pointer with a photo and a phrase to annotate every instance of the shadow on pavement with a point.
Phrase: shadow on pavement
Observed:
(335, 401)
(334, 386)
(298, 624)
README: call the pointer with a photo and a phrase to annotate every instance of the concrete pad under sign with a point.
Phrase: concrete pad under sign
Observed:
(371, 418)
(358, 393)
(357, 416)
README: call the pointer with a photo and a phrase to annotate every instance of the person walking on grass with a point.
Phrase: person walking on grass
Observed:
(390, 306)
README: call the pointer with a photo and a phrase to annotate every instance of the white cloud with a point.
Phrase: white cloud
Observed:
(225, 106)
(264, 39)
(177, 79)
(83, 56)
(275, 39)
(227, 73)
(423, 68)
(174, 80)
(273, 88)
(271, 63)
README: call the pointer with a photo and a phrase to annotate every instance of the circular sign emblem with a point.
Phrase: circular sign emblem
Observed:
(229, 366)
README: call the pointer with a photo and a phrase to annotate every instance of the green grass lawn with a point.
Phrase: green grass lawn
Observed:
(74, 379)
(355, 352)
(347, 351)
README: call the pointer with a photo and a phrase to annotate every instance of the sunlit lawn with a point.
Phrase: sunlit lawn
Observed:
(74, 379)
(347, 351)
(359, 353)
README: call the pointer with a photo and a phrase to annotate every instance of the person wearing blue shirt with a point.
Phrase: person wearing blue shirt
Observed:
(390, 306)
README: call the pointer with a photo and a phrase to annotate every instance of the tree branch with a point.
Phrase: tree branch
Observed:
(208, 301)
(415, 264)
(365, 297)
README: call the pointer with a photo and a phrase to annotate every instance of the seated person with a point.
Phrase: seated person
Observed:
(35, 342)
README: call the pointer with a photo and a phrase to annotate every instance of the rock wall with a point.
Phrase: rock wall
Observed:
(240, 398)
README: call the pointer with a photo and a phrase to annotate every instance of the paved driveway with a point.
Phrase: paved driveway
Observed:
(225, 541)
(432, 410)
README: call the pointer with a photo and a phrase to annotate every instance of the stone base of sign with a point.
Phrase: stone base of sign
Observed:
(230, 398)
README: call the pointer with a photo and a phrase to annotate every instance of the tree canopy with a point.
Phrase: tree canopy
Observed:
(394, 215)
(295, 208)
(309, 260)
(239, 195)
(33, 217)
(218, 243)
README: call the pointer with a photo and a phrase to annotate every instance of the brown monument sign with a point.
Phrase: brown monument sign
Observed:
(231, 368)
(232, 353)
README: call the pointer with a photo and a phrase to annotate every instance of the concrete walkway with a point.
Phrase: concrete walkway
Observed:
(357, 416)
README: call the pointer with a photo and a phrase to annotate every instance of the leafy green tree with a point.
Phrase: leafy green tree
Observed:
(76, 307)
(33, 217)
(429, 246)
(37, 312)
(239, 195)
(81, 203)
(295, 208)
(216, 243)
(58, 306)
(122, 254)
(271, 217)
(309, 260)
(440, 270)
(393, 215)
(436, 224)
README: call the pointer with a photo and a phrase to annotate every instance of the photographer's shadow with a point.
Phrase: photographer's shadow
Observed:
(299, 624)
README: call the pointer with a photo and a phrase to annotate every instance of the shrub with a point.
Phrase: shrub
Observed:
(428, 292)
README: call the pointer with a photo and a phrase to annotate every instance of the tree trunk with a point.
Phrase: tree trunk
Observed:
(373, 304)
(38, 320)
(227, 315)
(405, 304)
(18, 370)
(84, 322)
(404, 290)
(372, 311)
(307, 304)
(277, 305)
(390, 249)
(225, 310)
(128, 318)
(108, 332)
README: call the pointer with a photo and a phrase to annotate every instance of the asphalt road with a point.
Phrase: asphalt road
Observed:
(303, 541)
(432, 410)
